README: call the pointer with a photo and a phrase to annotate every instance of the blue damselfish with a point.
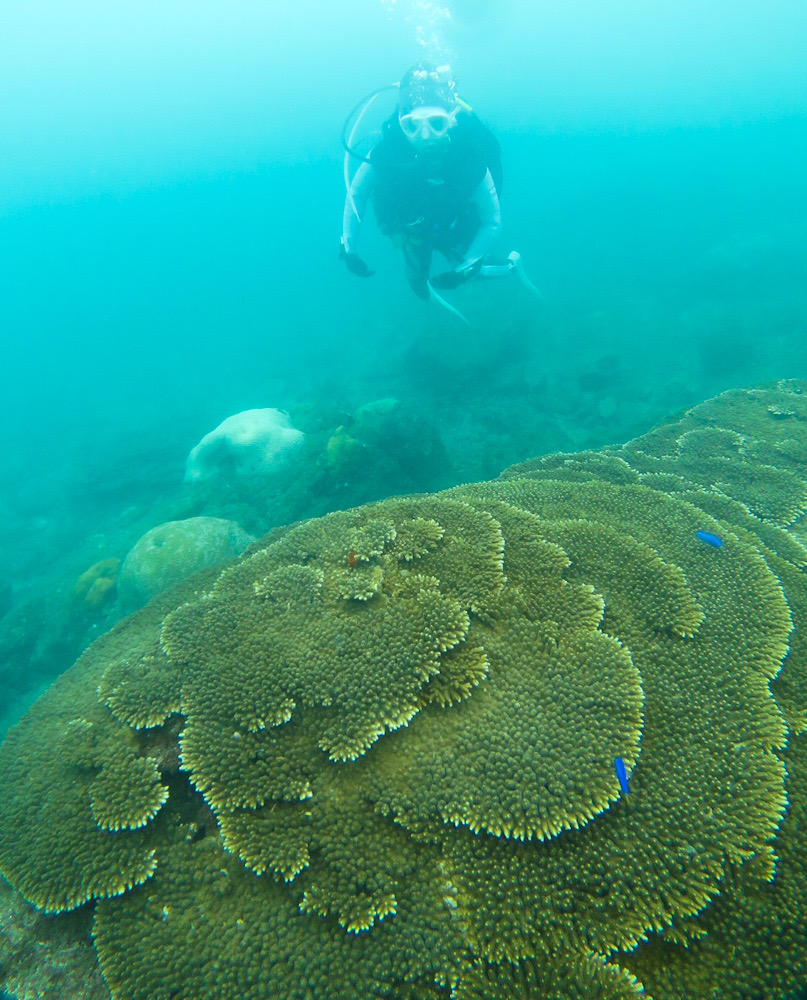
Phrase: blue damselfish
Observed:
(622, 774)
(706, 536)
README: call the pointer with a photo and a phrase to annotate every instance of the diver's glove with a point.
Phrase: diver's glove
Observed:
(354, 263)
(448, 279)
(453, 279)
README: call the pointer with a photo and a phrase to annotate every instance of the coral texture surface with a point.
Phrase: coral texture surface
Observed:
(379, 754)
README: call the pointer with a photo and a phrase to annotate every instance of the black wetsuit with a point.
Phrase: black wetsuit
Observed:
(428, 191)
(425, 198)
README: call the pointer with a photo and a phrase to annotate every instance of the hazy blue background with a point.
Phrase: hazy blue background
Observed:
(170, 208)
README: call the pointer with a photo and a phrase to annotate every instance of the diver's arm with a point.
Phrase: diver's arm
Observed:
(361, 187)
(490, 223)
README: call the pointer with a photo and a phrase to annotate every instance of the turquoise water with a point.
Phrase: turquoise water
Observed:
(169, 220)
(168, 235)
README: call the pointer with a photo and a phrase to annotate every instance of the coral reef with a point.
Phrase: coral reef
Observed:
(250, 443)
(171, 552)
(347, 457)
(375, 755)
(96, 585)
(342, 451)
(43, 956)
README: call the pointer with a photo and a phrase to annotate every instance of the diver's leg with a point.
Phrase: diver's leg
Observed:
(417, 259)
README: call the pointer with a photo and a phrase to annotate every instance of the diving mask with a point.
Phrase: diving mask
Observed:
(426, 123)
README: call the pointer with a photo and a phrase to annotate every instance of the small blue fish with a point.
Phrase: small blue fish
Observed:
(706, 536)
(622, 774)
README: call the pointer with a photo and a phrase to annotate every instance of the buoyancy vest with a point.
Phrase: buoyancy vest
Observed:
(431, 188)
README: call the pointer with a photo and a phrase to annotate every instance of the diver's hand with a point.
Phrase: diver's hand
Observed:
(354, 263)
(448, 279)
(453, 279)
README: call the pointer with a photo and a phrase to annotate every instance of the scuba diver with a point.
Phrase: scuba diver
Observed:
(434, 178)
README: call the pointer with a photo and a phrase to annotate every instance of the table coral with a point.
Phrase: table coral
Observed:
(375, 755)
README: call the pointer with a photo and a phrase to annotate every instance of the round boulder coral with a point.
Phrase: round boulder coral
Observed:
(250, 443)
(171, 552)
